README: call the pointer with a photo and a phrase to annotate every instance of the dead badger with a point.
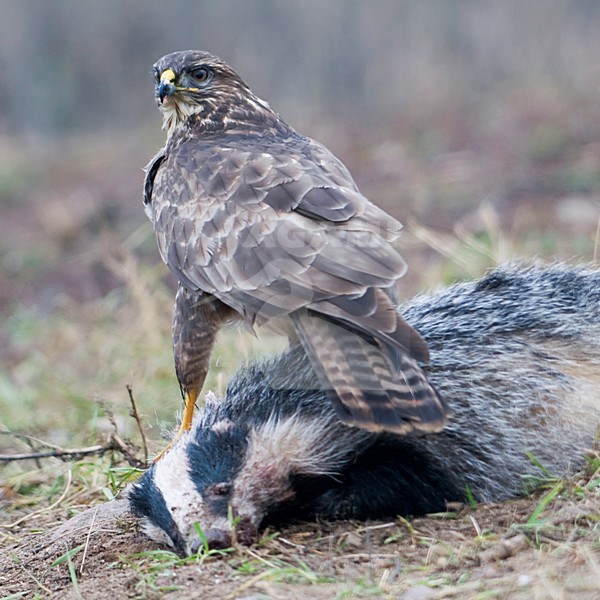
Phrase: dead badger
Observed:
(515, 355)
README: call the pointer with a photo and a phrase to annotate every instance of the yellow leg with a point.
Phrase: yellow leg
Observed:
(188, 412)
(197, 318)
(186, 421)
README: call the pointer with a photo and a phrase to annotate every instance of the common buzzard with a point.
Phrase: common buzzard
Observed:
(262, 224)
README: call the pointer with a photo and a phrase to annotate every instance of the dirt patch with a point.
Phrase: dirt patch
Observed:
(488, 552)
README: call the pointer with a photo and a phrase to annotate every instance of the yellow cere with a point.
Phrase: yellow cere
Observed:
(167, 76)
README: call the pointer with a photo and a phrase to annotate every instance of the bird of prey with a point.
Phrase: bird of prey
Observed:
(262, 224)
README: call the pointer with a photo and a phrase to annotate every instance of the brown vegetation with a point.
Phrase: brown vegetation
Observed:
(478, 126)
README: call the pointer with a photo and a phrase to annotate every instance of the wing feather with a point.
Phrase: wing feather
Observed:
(268, 231)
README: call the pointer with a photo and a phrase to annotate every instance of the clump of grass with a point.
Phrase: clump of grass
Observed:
(276, 569)
(544, 523)
(67, 557)
(62, 364)
(151, 565)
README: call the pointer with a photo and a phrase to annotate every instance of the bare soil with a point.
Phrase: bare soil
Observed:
(484, 552)
(517, 178)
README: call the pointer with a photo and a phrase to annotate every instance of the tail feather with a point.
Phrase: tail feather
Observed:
(366, 390)
(375, 314)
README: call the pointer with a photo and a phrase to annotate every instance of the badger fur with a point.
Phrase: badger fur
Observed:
(515, 355)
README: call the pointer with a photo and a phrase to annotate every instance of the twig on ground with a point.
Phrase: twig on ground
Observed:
(28, 438)
(113, 443)
(127, 450)
(134, 413)
(87, 542)
(68, 453)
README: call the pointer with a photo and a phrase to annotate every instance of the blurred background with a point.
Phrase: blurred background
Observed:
(476, 123)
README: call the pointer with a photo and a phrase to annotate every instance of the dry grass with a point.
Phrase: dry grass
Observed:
(544, 546)
(87, 312)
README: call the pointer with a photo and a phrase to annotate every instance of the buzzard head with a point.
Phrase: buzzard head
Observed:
(199, 91)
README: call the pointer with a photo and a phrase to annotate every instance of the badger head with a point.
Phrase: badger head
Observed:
(185, 495)
(223, 480)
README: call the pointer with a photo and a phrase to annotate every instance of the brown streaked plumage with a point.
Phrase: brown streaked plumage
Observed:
(261, 223)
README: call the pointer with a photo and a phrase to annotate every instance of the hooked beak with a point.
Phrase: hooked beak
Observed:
(166, 87)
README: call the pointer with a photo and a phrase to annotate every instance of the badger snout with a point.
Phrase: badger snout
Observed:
(246, 532)
(221, 536)
(215, 539)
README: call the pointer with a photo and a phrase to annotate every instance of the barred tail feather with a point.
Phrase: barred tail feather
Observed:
(366, 390)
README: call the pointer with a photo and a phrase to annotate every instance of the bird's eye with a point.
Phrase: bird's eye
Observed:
(201, 75)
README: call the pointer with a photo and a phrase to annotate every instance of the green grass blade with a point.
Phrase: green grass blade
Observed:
(543, 503)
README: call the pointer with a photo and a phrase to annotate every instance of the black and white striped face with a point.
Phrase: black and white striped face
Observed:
(192, 484)
(225, 478)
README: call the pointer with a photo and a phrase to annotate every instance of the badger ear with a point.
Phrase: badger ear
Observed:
(211, 398)
(223, 426)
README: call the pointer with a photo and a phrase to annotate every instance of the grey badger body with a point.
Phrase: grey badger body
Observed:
(515, 354)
